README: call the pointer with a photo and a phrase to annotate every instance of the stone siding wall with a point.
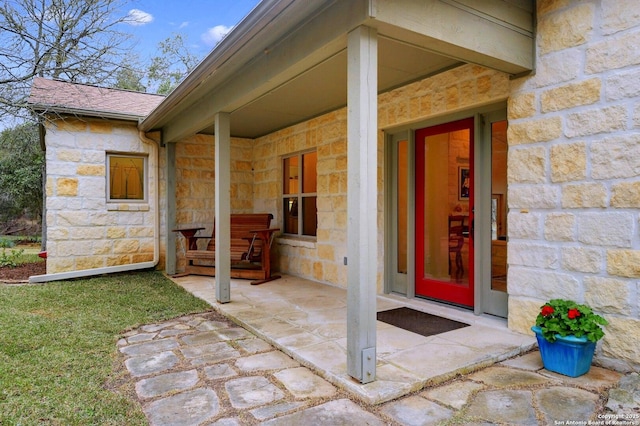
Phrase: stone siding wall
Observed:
(195, 184)
(83, 230)
(574, 172)
(322, 260)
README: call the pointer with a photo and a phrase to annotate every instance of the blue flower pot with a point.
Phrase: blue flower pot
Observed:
(569, 355)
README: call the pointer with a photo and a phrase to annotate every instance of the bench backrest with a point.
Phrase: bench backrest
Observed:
(241, 235)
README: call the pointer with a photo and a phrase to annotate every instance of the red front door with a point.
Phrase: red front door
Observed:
(444, 212)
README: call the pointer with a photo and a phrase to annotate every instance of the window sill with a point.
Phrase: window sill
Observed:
(296, 242)
(126, 207)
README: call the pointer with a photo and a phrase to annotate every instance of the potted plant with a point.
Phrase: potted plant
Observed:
(567, 333)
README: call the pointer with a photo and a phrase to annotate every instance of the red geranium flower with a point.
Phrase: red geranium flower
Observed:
(560, 317)
(547, 310)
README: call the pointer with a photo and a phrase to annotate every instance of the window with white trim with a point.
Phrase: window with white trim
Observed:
(126, 178)
(299, 186)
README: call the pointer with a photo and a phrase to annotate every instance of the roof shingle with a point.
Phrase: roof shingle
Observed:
(61, 96)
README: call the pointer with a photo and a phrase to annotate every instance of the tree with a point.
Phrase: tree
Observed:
(130, 75)
(21, 169)
(72, 40)
(172, 65)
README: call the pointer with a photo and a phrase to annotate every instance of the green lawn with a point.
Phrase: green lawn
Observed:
(12, 253)
(58, 346)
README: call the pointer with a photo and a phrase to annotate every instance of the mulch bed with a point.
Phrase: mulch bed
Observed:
(21, 273)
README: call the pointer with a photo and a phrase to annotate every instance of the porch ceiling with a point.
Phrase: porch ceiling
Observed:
(287, 61)
(323, 88)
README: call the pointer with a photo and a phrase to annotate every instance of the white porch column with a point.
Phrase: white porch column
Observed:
(223, 207)
(362, 206)
(170, 202)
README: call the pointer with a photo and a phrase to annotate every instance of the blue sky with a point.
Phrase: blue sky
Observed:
(204, 22)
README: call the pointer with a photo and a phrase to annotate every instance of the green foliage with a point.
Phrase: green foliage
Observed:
(566, 317)
(58, 344)
(21, 168)
(12, 259)
(6, 242)
(129, 76)
(173, 63)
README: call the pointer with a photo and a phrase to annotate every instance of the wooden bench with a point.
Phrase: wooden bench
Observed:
(251, 239)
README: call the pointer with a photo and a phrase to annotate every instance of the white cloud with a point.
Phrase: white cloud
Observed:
(138, 17)
(183, 25)
(215, 34)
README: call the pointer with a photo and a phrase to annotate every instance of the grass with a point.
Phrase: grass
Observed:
(58, 346)
(15, 251)
(19, 256)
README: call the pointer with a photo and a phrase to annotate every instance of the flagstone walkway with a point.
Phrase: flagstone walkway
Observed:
(204, 370)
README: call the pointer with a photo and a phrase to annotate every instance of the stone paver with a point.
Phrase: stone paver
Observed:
(504, 406)
(271, 411)
(625, 399)
(302, 383)
(501, 377)
(184, 409)
(455, 395)
(204, 370)
(216, 350)
(342, 412)
(562, 403)
(530, 361)
(249, 392)
(416, 411)
(219, 371)
(170, 382)
(151, 347)
(268, 361)
(598, 378)
(150, 364)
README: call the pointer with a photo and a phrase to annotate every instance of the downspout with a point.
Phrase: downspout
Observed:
(156, 226)
(121, 268)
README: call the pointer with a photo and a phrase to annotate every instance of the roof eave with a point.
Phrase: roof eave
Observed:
(79, 112)
(260, 16)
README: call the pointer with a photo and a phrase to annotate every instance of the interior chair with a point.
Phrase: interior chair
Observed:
(457, 228)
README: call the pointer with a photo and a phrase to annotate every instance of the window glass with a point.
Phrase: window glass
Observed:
(299, 186)
(291, 175)
(126, 177)
(290, 209)
(310, 216)
(309, 180)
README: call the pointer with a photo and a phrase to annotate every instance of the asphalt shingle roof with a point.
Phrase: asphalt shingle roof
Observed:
(59, 96)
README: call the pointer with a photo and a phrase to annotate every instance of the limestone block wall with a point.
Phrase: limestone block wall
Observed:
(83, 230)
(574, 171)
(322, 260)
(195, 184)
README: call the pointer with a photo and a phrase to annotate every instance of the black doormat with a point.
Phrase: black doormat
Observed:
(418, 322)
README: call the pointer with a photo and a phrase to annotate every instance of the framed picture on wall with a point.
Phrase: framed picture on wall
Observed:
(464, 183)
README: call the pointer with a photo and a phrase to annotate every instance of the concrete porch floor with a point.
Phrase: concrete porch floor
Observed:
(307, 321)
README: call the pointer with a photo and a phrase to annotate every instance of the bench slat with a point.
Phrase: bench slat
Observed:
(248, 231)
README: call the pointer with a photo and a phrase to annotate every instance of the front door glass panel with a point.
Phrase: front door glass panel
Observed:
(444, 212)
(403, 194)
(499, 206)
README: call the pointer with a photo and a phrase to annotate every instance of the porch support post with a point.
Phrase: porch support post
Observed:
(362, 204)
(223, 206)
(170, 202)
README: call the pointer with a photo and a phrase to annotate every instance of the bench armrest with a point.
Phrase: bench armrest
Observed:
(189, 234)
(264, 231)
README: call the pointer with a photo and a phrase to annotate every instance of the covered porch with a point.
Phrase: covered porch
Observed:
(292, 61)
(307, 321)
